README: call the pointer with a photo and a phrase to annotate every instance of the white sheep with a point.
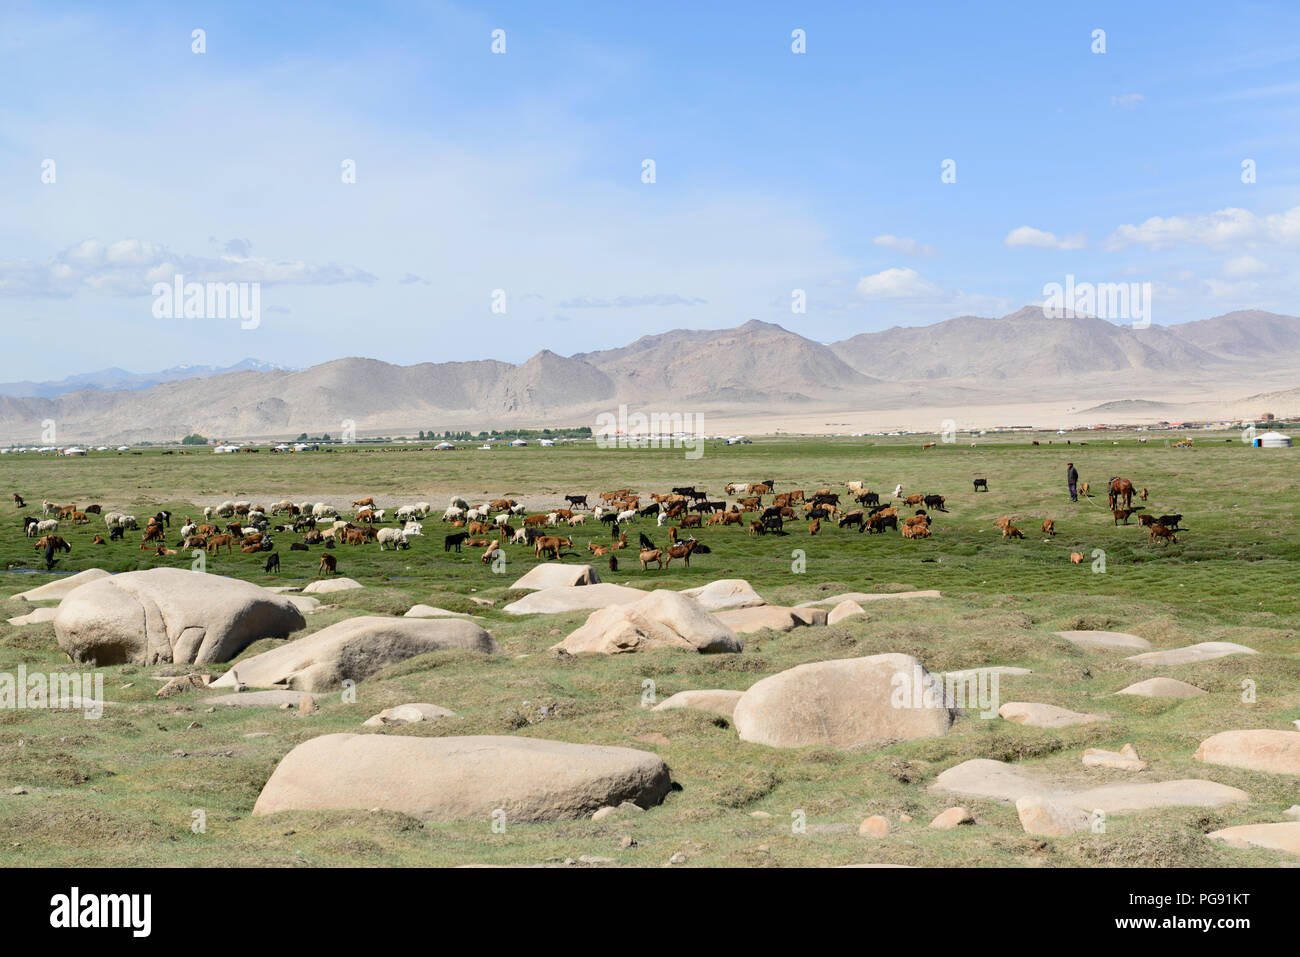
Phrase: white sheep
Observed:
(663, 517)
(577, 520)
(502, 518)
(208, 512)
(321, 510)
(626, 516)
(128, 521)
(552, 518)
(392, 536)
(413, 529)
(112, 519)
(47, 527)
(424, 508)
(378, 514)
(521, 537)
(226, 509)
(453, 514)
(518, 508)
(188, 530)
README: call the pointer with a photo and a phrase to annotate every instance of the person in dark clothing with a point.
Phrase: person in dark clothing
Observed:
(1072, 480)
(49, 557)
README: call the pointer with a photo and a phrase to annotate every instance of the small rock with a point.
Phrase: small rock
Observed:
(179, 753)
(192, 725)
(18, 790)
(874, 826)
(1292, 813)
(626, 841)
(1123, 760)
(603, 813)
(209, 710)
(759, 814)
(1046, 817)
(678, 858)
(905, 818)
(590, 859)
(307, 705)
(951, 818)
(627, 807)
(286, 706)
(258, 734)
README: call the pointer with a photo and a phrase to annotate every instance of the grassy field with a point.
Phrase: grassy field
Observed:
(124, 789)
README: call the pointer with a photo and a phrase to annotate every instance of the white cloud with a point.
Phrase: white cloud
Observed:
(1242, 267)
(1220, 289)
(1220, 228)
(1127, 101)
(1040, 239)
(905, 245)
(130, 267)
(896, 284)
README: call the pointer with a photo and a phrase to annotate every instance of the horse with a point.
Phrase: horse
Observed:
(1120, 489)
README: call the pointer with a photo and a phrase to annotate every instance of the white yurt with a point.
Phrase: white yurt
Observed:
(1272, 440)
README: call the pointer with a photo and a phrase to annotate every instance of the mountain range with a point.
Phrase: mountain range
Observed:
(759, 376)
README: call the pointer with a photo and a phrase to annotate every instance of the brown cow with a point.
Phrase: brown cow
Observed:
(814, 526)
(56, 540)
(920, 530)
(367, 502)
(1143, 494)
(329, 565)
(531, 521)
(215, 543)
(692, 521)
(1010, 531)
(80, 518)
(1121, 514)
(366, 515)
(153, 533)
(682, 551)
(597, 550)
(1076, 557)
(651, 555)
(1049, 526)
(914, 499)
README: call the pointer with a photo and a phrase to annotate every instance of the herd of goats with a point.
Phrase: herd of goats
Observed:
(491, 525)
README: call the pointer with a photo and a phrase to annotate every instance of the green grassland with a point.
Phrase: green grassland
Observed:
(122, 790)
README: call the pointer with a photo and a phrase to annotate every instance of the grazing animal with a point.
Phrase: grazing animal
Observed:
(56, 541)
(599, 550)
(392, 536)
(914, 500)
(814, 526)
(1003, 522)
(651, 555)
(329, 565)
(577, 501)
(1146, 520)
(1170, 521)
(93, 509)
(18, 501)
(852, 518)
(1159, 531)
(1084, 489)
(881, 521)
(490, 552)
(1121, 514)
(1120, 490)
(298, 547)
(115, 533)
(98, 540)
(613, 563)
(1076, 557)
(1011, 531)
(454, 540)
(1049, 526)
(216, 542)
(983, 483)
(272, 563)
(645, 541)
(1143, 494)
(920, 530)
(682, 551)
(934, 501)
(551, 544)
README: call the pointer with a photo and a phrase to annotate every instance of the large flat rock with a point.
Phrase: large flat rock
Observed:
(1283, 836)
(61, 588)
(326, 586)
(862, 596)
(1045, 715)
(354, 649)
(169, 615)
(660, 619)
(744, 621)
(564, 598)
(717, 701)
(35, 617)
(725, 593)
(255, 699)
(1277, 752)
(429, 611)
(557, 575)
(1162, 688)
(999, 781)
(1205, 651)
(457, 778)
(844, 704)
(1105, 640)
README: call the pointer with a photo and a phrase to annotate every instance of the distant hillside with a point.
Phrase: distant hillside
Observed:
(758, 368)
(115, 378)
(1024, 345)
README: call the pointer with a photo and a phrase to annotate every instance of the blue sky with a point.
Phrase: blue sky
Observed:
(522, 172)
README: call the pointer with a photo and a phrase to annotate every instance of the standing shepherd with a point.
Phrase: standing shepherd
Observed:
(1072, 480)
